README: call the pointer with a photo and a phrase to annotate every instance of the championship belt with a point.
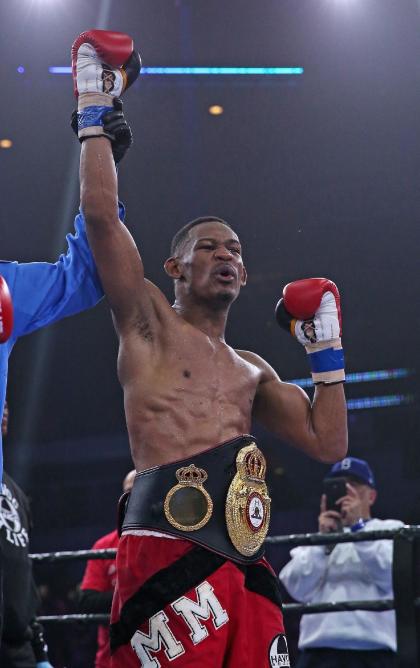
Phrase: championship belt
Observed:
(217, 499)
(248, 502)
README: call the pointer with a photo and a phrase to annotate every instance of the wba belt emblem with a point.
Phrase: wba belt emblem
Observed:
(248, 502)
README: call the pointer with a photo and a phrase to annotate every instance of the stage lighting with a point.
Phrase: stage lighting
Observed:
(6, 143)
(204, 71)
(216, 110)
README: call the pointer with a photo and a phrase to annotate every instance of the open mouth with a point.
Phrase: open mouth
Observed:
(225, 274)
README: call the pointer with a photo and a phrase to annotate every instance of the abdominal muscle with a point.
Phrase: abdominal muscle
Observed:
(169, 425)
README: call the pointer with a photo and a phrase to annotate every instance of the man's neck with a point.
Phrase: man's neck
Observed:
(211, 322)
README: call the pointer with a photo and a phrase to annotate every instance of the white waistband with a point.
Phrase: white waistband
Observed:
(147, 532)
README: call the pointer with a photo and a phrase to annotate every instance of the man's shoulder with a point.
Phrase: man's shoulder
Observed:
(256, 360)
(249, 356)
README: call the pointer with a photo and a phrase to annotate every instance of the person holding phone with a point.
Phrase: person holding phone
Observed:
(345, 572)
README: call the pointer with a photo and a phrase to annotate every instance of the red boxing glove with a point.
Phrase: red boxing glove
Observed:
(310, 309)
(6, 311)
(104, 65)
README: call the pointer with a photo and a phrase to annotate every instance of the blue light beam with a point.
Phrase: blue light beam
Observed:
(206, 71)
(362, 376)
(380, 402)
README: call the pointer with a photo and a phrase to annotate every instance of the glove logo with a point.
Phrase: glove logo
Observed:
(108, 79)
(278, 654)
(308, 330)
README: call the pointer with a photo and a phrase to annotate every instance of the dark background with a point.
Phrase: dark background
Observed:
(318, 173)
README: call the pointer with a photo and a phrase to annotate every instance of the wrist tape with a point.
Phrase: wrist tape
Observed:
(327, 362)
(92, 107)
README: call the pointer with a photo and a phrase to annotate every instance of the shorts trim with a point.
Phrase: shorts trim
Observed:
(260, 580)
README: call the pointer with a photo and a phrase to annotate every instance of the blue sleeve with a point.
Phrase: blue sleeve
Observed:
(43, 292)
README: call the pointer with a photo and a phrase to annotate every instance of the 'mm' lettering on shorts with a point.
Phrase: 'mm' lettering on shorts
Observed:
(199, 609)
(160, 635)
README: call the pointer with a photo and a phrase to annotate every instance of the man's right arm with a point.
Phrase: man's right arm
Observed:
(104, 65)
(118, 261)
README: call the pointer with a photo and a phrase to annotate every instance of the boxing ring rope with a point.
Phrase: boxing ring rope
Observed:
(406, 603)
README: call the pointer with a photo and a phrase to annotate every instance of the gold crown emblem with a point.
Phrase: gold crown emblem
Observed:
(191, 475)
(255, 465)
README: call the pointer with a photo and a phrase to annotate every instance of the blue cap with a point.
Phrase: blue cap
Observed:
(351, 466)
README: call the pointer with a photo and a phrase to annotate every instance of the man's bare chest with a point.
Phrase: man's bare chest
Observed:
(190, 367)
(211, 367)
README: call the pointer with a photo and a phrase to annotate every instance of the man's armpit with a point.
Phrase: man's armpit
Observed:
(144, 328)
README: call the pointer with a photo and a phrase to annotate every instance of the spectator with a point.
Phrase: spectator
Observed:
(346, 572)
(22, 642)
(98, 584)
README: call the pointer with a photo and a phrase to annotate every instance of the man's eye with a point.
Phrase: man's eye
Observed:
(235, 250)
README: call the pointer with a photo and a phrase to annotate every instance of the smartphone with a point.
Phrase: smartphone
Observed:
(334, 489)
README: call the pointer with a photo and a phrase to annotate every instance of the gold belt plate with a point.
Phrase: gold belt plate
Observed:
(247, 507)
(188, 506)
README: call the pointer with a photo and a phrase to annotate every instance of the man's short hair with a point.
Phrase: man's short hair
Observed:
(182, 234)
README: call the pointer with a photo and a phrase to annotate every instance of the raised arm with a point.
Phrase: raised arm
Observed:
(116, 255)
(118, 261)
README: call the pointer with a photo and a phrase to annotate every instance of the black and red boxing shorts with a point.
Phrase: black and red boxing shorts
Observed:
(178, 604)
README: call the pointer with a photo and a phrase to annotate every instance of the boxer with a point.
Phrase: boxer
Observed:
(192, 585)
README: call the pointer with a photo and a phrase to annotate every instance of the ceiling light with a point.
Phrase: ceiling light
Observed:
(216, 110)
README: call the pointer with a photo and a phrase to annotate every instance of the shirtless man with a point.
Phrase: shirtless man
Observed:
(192, 586)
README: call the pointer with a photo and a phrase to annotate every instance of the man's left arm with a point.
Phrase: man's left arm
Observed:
(310, 310)
(319, 428)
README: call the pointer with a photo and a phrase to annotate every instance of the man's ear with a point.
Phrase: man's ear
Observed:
(244, 276)
(372, 496)
(172, 267)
